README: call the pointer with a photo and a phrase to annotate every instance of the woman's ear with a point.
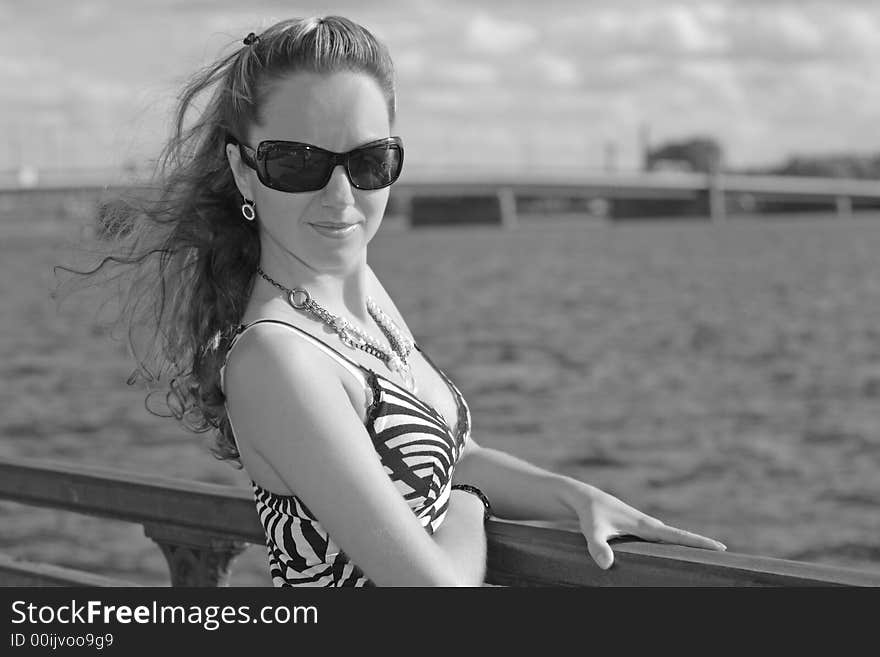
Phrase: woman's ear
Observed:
(240, 171)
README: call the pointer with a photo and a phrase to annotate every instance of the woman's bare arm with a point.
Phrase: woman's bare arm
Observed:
(519, 490)
(295, 413)
(462, 535)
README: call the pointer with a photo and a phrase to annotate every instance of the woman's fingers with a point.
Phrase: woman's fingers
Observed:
(657, 531)
(599, 549)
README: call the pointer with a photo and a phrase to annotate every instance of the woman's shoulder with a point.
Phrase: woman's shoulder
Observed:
(277, 393)
(269, 371)
(272, 354)
(268, 328)
(269, 346)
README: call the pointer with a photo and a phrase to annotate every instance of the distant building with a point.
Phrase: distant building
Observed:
(699, 154)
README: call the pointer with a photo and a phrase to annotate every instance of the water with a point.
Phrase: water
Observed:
(723, 378)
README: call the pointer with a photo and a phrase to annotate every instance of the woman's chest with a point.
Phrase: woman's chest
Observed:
(434, 394)
(417, 447)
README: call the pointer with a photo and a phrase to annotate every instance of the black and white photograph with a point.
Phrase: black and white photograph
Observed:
(439, 294)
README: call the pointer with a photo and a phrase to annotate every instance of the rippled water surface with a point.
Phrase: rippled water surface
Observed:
(724, 378)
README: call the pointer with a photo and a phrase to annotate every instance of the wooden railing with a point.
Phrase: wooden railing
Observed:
(201, 528)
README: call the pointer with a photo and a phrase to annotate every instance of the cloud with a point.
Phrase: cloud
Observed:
(441, 99)
(717, 80)
(854, 31)
(656, 27)
(498, 37)
(775, 33)
(556, 69)
(680, 28)
(466, 72)
(16, 69)
(765, 77)
(410, 63)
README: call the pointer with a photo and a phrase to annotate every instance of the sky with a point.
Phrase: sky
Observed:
(558, 84)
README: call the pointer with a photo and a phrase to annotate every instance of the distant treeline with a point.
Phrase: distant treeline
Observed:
(828, 166)
(705, 154)
(702, 154)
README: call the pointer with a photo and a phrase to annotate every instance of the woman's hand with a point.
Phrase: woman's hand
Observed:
(602, 516)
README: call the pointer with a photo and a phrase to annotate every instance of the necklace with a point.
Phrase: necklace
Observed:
(354, 337)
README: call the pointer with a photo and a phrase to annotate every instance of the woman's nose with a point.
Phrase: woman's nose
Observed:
(338, 192)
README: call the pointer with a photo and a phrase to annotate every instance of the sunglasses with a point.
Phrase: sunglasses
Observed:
(292, 166)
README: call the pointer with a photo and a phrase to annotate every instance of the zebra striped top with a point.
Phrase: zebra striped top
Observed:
(418, 451)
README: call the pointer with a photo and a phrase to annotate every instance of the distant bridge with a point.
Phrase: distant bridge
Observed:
(839, 193)
(496, 192)
(639, 184)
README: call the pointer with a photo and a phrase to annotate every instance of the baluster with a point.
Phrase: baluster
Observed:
(195, 558)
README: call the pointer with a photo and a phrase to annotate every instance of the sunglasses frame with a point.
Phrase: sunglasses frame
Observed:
(256, 160)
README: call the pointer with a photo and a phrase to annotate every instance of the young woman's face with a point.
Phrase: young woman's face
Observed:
(337, 112)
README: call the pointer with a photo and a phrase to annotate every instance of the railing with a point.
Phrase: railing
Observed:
(201, 528)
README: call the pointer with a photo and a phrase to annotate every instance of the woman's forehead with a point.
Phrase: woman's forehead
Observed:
(337, 111)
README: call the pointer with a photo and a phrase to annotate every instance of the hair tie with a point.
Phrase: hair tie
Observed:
(250, 39)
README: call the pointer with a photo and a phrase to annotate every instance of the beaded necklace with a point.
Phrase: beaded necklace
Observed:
(354, 337)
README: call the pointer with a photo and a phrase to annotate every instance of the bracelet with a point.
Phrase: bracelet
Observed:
(487, 508)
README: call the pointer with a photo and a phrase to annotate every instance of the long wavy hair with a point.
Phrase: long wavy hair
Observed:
(178, 248)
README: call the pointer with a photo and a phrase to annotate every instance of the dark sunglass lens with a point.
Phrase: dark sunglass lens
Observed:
(297, 168)
(375, 167)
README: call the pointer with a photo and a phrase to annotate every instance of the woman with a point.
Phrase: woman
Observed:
(279, 335)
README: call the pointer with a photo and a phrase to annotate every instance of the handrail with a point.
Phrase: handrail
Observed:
(524, 555)
(201, 525)
(19, 572)
(132, 497)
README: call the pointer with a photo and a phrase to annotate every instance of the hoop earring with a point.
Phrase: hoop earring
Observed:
(247, 210)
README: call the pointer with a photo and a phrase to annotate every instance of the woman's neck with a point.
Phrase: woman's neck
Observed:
(341, 293)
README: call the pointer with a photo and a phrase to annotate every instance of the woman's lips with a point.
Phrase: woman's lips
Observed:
(334, 230)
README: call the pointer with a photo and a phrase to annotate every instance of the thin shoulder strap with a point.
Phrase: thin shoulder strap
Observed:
(356, 369)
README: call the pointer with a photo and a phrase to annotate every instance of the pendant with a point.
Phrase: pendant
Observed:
(409, 380)
(396, 364)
